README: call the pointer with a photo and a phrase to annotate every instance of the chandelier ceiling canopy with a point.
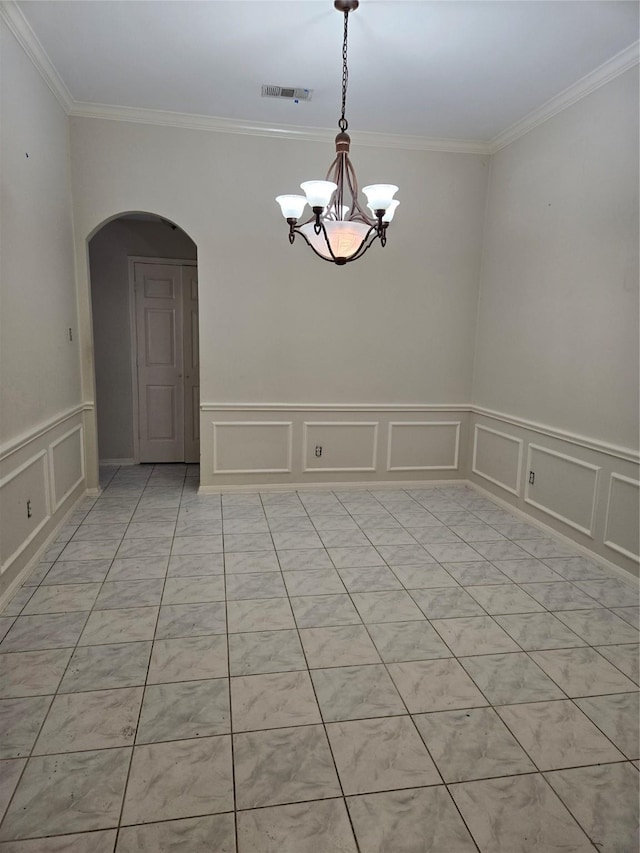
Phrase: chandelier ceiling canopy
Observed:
(340, 230)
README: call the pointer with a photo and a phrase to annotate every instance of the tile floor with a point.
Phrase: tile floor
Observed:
(390, 671)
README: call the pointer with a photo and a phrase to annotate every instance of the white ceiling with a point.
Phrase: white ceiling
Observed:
(447, 69)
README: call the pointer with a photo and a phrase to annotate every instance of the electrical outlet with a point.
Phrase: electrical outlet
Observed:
(532, 477)
(318, 450)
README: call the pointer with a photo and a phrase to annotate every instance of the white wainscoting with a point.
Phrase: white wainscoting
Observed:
(497, 457)
(42, 474)
(275, 443)
(623, 511)
(345, 446)
(252, 447)
(564, 487)
(585, 489)
(423, 446)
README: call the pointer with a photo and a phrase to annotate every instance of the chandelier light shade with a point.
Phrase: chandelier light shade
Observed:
(340, 230)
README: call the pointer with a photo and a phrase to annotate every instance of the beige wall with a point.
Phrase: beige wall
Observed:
(557, 335)
(109, 251)
(41, 417)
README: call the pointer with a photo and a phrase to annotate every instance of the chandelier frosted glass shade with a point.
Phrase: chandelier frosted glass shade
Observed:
(340, 229)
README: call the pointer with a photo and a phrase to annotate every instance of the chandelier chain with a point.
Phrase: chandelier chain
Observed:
(343, 124)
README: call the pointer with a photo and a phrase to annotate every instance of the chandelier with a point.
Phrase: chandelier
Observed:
(340, 230)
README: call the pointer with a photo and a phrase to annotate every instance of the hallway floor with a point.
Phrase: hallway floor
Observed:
(385, 671)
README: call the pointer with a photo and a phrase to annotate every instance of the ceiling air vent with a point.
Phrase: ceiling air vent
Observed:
(287, 92)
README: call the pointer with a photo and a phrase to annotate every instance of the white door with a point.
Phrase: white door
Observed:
(159, 313)
(191, 365)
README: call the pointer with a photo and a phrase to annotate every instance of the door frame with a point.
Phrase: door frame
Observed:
(135, 401)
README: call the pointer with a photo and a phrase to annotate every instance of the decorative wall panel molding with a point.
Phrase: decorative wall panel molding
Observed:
(564, 487)
(346, 446)
(15, 444)
(497, 457)
(24, 507)
(252, 447)
(66, 465)
(621, 518)
(423, 445)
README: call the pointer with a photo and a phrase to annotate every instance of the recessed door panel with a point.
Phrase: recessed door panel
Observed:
(161, 411)
(160, 337)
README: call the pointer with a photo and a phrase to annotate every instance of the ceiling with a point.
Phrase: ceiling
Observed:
(447, 69)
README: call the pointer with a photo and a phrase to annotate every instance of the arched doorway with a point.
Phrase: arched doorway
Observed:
(144, 298)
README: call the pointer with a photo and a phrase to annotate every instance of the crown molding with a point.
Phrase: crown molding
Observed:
(217, 124)
(612, 68)
(21, 29)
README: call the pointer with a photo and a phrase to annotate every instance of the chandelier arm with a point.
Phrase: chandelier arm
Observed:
(297, 230)
(353, 189)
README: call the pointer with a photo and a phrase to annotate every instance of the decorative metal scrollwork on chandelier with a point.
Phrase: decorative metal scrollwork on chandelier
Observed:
(340, 230)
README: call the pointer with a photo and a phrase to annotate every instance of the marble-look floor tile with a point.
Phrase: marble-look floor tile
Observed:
(477, 573)
(95, 720)
(245, 542)
(288, 524)
(471, 744)
(527, 571)
(386, 606)
(507, 678)
(188, 659)
(191, 620)
(373, 579)
(5, 623)
(260, 585)
(617, 716)
(265, 614)
(192, 590)
(343, 645)
(505, 598)
(10, 772)
(198, 527)
(168, 515)
(626, 658)
(93, 532)
(193, 565)
(319, 582)
(321, 611)
(479, 532)
(145, 548)
(435, 685)
(185, 545)
(406, 641)
(129, 625)
(105, 550)
(364, 556)
(15, 605)
(557, 734)
(105, 667)
(559, 596)
(210, 834)
(610, 592)
(386, 536)
(405, 555)
(446, 602)
(502, 550)
(259, 652)
(260, 561)
(60, 794)
(326, 521)
(376, 521)
(356, 692)
(474, 635)
(577, 568)
(416, 820)
(77, 571)
(380, 755)
(48, 631)
(138, 568)
(544, 548)
(283, 766)
(32, 673)
(184, 778)
(126, 594)
(519, 814)
(20, 721)
(149, 529)
(582, 672)
(423, 576)
(629, 614)
(604, 801)
(274, 700)
(599, 627)
(437, 534)
(322, 825)
(291, 540)
(539, 631)
(187, 709)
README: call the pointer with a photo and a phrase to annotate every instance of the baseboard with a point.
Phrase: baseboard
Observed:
(359, 485)
(120, 462)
